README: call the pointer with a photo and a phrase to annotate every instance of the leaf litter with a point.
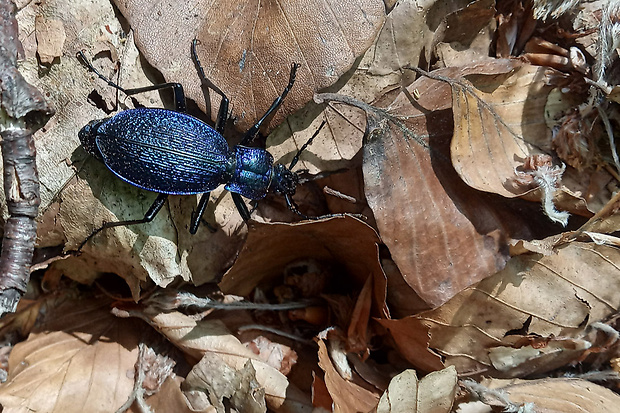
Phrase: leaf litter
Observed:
(457, 243)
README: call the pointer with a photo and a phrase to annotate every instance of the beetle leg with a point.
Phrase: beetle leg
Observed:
(179, 95)
(148, 217)
(241, 206)
(222, 113)
(197, 215)
(250, 135)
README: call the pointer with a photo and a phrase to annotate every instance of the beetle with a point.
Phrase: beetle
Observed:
(173, 153)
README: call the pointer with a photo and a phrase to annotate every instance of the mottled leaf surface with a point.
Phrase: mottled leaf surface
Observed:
(81, 359)
(247, 48)
(551, 299)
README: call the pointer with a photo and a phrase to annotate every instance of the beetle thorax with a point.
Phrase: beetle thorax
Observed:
(284, 181)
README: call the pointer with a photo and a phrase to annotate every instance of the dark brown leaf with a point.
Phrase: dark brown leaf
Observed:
(247, 48)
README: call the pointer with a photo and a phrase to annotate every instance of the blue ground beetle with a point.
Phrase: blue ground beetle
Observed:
(173, 153)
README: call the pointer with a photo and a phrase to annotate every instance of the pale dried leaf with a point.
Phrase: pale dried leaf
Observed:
(498, 121)
(211, 381)
(556, 395)
(197, 338)
(277, 355)
(433, 394)
(81, 359)
(348, 396)
(548, 301)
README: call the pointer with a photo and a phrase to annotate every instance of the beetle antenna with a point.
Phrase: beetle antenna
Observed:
(293, 207)
(304, 146)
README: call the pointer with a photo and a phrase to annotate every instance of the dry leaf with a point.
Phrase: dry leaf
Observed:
(50, 38)
(247, 48)
(197, 338)
(552, 395)
(529, 318)
(348, 396)
(433, 394)
(277, 355)
(343, 241)
(213, 382)
(80, 359)
(445, 228)
(411, 30)
(499, 122)
(170, 398)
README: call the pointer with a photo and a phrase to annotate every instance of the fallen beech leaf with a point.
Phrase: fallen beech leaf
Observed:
(553, 395)
(247, 48)
(348, 396)
(498, 118)
(460, 44)
(80, 359)
(448, 236)
(434, 393)
(277, 355)
(212, 382)
(197, 338)
(357, 340)
(552, 298)
(411, 338)
(170, 398)
(408, 36)
(341, 240)
(320, 394)
(50, 38)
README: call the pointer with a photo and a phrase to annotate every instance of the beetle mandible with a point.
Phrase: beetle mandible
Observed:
(173, 153)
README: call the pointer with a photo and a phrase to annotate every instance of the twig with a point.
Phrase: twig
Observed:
(22, 111)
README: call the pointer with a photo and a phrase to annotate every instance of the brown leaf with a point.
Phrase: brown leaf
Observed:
(357, 339)
(348, 396)
(411, 338)
(50, 38)
(80, 359)
(552, 297)
(449, 236)
(434, 393)
(408, 36)
(197, 338)
(343, 241)
(554, 394)
(247, 48)
(170, 398)
(498, 118)
(501, 121)
(211, 381)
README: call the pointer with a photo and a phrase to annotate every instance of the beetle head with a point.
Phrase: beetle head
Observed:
(88, 135)
(284, 181)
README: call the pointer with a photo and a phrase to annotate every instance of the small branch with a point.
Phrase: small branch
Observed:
(22, 111)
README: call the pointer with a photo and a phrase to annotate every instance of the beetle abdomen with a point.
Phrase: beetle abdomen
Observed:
(164, 151)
